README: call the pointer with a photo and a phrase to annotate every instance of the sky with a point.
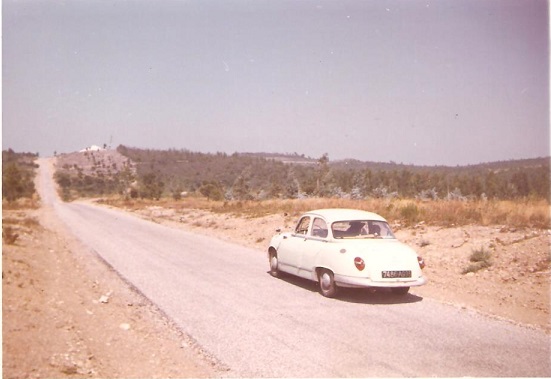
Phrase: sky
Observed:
(447, 82)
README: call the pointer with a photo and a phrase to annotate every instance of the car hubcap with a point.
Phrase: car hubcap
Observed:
(274, 263)
(325, 281)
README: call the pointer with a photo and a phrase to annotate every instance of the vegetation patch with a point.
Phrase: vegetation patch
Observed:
(514, 193)
(436, 213)
(18, 172)
(100, 173)
(9, 235)
(410, 214)
(480, 259)
(424, 243)
(29, 222)
(244, 176)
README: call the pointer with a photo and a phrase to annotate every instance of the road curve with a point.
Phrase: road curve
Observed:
(221, 295)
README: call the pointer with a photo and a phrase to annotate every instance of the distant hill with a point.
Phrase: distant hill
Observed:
(284, 158)
(93, 172)
(355, 164)
(266, 175)
(98, 161)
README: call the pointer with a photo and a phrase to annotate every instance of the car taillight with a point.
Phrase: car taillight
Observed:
(359, 262)
(421, 262)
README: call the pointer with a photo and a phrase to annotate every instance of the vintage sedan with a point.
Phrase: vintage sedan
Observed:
(346, 248)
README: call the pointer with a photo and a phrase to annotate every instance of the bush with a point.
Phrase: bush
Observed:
(151, 187)
(16, 182)
(410, 214)
(211, 191)
(479, 259)
(8, 235)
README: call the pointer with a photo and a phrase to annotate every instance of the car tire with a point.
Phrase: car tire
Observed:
(400, 290)
(328, 287)
(274, 264)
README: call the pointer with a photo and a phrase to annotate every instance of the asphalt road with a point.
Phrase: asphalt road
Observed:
(222, 296)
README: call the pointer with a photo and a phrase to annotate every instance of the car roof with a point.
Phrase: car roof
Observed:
(342, 214)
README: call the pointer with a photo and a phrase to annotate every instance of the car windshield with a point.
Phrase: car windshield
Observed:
(361, 229)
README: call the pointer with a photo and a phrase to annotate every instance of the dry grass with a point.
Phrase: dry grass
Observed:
(527, 213)
(14, 223)
(22, 203)
(480, 259)
(29, 222)
(9, 235)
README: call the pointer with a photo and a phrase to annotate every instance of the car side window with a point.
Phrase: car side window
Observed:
(302, 226)
(319, 228)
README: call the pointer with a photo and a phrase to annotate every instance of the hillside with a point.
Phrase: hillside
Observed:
(245, 176)
(356, 164)
(150, 173)
(100, 162)
(94, 172)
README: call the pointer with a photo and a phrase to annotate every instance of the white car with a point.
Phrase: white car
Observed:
(346, 248)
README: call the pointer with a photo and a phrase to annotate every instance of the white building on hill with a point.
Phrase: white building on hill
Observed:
(91, 148)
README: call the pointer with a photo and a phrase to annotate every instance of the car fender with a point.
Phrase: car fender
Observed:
(276, 241)
(328, 258)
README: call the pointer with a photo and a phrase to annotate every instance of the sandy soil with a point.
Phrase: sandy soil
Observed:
(66, 315)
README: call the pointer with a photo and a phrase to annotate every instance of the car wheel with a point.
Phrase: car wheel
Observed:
(328, 287)
(274, 271)
(400, 290)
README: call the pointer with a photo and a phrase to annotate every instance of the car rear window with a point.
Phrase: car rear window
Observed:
(361, 229)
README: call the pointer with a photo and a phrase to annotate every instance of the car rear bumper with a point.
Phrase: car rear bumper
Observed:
(355, 282)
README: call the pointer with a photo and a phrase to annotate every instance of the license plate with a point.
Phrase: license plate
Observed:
(396, 274)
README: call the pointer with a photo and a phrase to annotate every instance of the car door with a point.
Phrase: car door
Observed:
(291, 248)
(312, 247)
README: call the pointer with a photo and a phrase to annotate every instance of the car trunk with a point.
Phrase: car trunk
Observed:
(389, 261)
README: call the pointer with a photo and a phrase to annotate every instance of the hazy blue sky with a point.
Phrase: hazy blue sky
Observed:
(414, 81)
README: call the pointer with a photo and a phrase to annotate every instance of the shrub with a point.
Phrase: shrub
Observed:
(410, 213)
(480, 255)
(479, 259)
(424, 243)
(8, 235)
(16, 182)
(434, 213)
(151, 187)
(211, 191)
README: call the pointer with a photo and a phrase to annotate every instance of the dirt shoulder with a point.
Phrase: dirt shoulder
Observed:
(66, 315)
(515, 286)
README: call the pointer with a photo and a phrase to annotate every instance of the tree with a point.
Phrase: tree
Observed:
(358, 186)
(151, 187)
(322, 170)
(491, 185)
(13, 183)
(125, 178)
(240, 188)
(520, 183)
(211, 191)
(275, 190)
